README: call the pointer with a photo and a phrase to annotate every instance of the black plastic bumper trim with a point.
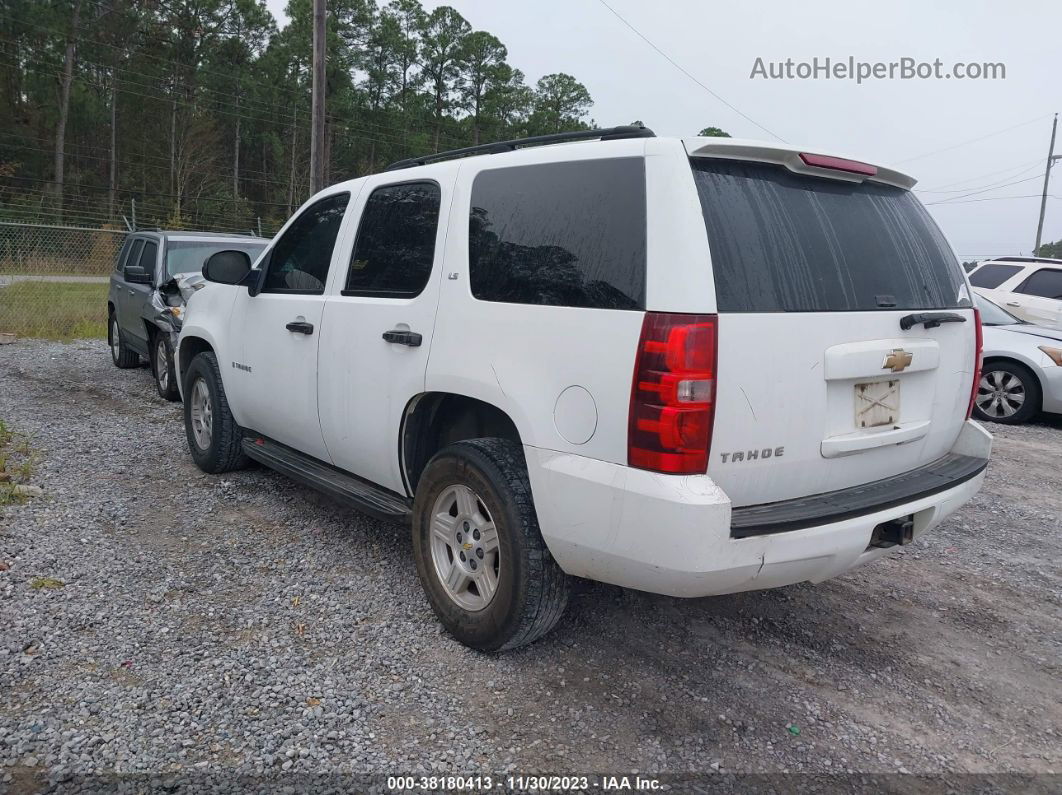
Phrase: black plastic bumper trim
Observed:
(836, 506)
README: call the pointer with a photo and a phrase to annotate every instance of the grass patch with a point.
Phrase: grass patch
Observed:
(54, 311)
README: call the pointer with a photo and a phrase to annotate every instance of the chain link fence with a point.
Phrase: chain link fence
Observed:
(54, 279)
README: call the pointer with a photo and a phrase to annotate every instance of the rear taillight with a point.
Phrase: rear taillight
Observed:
(978, 354)
(673, 394)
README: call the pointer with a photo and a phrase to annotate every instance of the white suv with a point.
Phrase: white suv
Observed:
(1029, 287)
(690, 367)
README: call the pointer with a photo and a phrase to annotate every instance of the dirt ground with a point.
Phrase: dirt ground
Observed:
(941, 659)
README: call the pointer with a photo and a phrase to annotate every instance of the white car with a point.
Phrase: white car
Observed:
(690, 367)
(1022, 371)
(1028, 287)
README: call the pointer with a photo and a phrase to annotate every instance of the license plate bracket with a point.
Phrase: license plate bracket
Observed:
(877, 403)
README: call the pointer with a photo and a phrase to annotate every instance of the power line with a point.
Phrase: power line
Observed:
(986, 190)
(973, 140)
(1018, 170)
(674, 63)
(996, 198)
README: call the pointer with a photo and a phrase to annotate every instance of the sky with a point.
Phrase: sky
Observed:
(965, 141)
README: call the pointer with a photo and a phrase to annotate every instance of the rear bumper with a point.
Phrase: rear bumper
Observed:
(672, 535)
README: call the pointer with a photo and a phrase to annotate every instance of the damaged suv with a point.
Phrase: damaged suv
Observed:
(689, 367)
(155, 273)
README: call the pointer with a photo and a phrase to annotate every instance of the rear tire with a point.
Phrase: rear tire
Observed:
(162, 366)
(122, 356)
(214, 438)
(474, 499)
(1008, 393)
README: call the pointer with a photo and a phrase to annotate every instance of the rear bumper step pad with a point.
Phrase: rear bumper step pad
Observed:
(836, 506)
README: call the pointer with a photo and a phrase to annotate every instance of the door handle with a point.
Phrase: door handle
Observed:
(300, 327)
(1013, 303)
(399, 337)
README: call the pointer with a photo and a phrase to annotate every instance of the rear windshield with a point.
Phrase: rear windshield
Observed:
(991, 276)
(188, 256)
(785, 242)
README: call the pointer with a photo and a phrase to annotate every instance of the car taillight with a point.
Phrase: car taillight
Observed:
(978, 355)
(673, 394)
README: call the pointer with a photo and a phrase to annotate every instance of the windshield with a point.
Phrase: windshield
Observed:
(785, 242)
(188, 256)
(992, 314)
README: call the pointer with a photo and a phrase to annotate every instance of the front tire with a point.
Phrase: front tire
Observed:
(214, 438)
(480, 556)
(122, 356)
(162, 364)
(1007, 393)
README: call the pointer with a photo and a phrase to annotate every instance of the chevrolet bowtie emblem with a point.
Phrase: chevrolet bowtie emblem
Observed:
(897, 360)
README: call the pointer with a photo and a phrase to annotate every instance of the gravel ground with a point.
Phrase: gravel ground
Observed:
(243, 623)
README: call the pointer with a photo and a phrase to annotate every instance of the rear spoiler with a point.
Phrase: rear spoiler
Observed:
(800, 161)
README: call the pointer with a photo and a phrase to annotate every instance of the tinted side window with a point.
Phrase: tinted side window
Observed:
(123, 253)
(148, 257)
(1046, 283)
(395, 248)
(299, 260)
(991, 276)
(561, 234)
(134, 254)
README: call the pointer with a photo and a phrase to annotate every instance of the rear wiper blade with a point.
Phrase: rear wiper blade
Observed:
(930, 319)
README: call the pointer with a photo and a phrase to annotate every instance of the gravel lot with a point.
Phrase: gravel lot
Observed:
(243, 623)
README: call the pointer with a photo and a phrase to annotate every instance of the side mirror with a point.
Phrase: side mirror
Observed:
(134, 274)
(227, 267)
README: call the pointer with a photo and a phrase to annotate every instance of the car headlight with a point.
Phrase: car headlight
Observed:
(1054, 354)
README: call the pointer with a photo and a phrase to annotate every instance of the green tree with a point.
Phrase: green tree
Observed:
(1050, 250)
(561, 103)
(714, 132)
(442, 43)
(482, 65)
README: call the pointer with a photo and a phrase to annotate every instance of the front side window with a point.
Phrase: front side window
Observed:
(1046, 283)
(122, 254)
(990, 277)
(148, 256)
(134, 255)
(300, 259)
(560, 234)
(395, 248)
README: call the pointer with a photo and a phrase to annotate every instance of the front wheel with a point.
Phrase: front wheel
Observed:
(480, 556)
(1007, 393)
(214, 438)
(162, 364)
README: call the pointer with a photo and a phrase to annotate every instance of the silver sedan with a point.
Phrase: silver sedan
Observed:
(1022, 372)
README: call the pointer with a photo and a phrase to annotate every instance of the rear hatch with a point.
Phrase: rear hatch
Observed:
(819, 387)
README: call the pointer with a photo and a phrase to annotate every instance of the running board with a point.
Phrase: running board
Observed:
(346, 488)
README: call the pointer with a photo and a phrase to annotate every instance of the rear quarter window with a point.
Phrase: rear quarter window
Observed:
(991, 276)
(786, 242)
(560, 234)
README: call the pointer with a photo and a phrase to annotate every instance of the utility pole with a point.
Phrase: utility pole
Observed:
(1051, 158)
(317, 122)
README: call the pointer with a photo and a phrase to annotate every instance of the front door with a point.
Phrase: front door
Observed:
(137, 299)
(378, 324)
(275, 333)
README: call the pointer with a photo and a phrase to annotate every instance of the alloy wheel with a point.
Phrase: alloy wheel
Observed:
(464, 548)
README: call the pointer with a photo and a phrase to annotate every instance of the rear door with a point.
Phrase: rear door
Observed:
(997, 281)
(379, 321)
(1039, 298)
(820, 387)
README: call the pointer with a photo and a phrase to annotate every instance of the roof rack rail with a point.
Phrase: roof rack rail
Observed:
(607, 134)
